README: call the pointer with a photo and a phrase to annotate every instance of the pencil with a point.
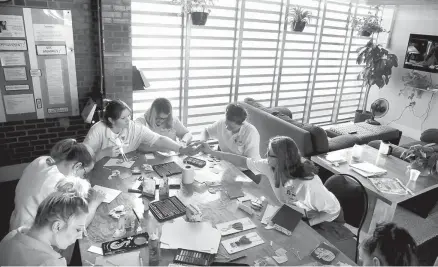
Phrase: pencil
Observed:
(136, 216)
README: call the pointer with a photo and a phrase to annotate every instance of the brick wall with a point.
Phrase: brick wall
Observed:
(23, 141)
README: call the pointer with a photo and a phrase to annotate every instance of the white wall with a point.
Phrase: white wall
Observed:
(419, 19)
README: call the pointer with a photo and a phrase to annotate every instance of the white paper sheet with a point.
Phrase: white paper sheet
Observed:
(119, 163)
(149, 156)
(110, 194)
(225, 229)
(15, 74)
(17, 104)
(123, 259)
(55, 83)
(17, 87)
(199, 236)
(269, 212)
(11, 26)
(231, 247)
(49, 32)
(12, 59)
(97, 250)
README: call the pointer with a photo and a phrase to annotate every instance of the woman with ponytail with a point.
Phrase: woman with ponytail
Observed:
(389, 245)
(41, 176)
(293, 179)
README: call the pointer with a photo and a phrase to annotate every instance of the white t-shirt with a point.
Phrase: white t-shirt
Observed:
(100, 137)
(17, 248)
(177, 129)
(37, 182)
(246, 142)
(310, 195)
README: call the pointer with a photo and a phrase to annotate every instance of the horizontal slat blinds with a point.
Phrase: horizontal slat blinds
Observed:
(248, 49)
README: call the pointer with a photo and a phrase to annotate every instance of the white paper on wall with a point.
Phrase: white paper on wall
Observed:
(17, 104)
(55, 83)
(11, 26)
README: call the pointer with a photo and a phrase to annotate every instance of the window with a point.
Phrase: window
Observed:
(247, 49)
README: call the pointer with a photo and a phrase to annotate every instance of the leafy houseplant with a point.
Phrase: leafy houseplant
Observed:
(422, 158)
(199, 9)
(377, 70)
(298, 18)
(367, 25)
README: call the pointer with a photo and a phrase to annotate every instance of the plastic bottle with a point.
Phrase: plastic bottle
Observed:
(164, 188)
(154, 249)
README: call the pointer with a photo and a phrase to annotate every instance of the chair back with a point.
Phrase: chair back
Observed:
(353, 199)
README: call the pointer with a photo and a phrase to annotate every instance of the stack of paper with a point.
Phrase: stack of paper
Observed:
(367, 169)
(335, 158)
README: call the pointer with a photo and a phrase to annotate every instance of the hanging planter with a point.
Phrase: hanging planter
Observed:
(298, 18)
(199, 18)
(366, 26)
(365, 33)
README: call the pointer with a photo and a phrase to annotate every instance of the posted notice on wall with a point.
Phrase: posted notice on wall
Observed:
(11, 26)
(48, 50)
(15, 74)
(13, 45)
(17, 87)
(55, 83)
(49, 32)
(8, 59)
(17, 104)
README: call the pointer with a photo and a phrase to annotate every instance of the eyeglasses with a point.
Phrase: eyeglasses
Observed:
(161, 119)
(85, 175)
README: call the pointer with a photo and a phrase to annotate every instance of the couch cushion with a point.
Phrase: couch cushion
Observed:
(281, 110)
(430, 136)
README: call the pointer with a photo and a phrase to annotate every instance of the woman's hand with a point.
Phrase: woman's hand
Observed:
(204, 147)
(190, 150)
(112, 152)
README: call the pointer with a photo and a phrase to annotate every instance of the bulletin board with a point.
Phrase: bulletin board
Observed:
(37, 64)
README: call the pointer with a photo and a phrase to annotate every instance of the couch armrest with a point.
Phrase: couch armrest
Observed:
(342, 141)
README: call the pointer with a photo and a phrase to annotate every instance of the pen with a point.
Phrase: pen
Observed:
(136, 216)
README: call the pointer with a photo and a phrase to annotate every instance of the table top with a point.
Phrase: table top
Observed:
(215, 207)
(395, 167)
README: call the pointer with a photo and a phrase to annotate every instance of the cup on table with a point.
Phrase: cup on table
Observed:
(413, 174)
(357, 152)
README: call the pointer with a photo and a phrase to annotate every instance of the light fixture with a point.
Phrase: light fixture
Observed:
(139, 80)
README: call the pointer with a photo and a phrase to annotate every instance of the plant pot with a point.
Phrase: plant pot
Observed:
(199, 18)
(365, 33)
(359, 116)
(298, 26)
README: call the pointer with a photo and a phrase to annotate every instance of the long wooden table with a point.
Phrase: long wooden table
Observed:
(216, 208)
(381, 206)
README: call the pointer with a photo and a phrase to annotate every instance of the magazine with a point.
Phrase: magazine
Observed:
(367, 169)
(389, 186)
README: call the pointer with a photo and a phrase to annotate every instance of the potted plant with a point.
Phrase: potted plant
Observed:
(422, 158)
(198, 9)
(298, 18)
(377, 71)
(365, 26)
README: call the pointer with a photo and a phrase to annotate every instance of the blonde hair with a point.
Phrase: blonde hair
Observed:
(74, 185)
(160, 105)
(59, 206)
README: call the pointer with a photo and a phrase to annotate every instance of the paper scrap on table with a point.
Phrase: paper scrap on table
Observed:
(149, 156)
(340, 263)
(114, 162)
(231, 247)
(269, 212)
(167, 153)
(199, 236)
(110, 194)
(265, 261)
(124, 259)
(97, 250)
(225, 228)
(280, 259)
(281, 252)
(247, 197)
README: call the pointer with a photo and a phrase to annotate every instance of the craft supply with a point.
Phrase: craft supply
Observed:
(242, 242)
(164, 188)
(193, 213)
(235, 226)
(195, 162)
(286, 219)
(200, 236)
(324, 254)
(149, 156)
(234, 192)
(119, 163)
(117, 212)
(147, 168)
(269, 212)
(167, 209)
(110, 194)
(146, 204)
(125, 244)
(154, 249)
(136, 170)
(167, 169)
(148, 187)
(97, 250)
(188, 174)
(246, 208)
(191, 257)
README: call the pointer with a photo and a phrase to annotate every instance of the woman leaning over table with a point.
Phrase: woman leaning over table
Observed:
(59, 222)
(292, 178)
(40, 177)
(159, 119)
(117, 128)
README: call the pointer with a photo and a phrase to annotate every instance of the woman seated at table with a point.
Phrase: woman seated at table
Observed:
(389, 245)
(59, 222)
(159, 119)
(117, 131)
(40, 177)
(292, 178)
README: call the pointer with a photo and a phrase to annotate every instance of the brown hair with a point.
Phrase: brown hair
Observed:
(70, 150)
(160, 105)
(113, 109)
(236, 113)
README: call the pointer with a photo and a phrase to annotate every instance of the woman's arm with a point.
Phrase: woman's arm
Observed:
(168, 144)
(316, 217)
(237, 160)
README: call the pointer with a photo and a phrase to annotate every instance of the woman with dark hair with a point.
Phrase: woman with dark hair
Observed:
(60, 220)
(41, 176)
(389, 245)
(159, 119)
(292, 178)
(117, 133)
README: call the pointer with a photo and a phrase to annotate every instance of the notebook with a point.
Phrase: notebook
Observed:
(367, 169)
